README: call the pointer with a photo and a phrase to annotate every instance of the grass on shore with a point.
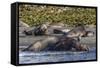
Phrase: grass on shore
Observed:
(35, 15)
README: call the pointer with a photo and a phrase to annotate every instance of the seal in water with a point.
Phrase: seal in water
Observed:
(57, 44)
(42, 45)
(68, 43)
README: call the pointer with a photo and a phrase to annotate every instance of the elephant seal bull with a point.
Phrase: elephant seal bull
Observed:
(57, 44)
(68, 43)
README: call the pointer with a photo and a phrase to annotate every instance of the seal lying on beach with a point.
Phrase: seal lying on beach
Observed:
(59, 31)
(79, 31)
(88, 34)
(57, 44)
(39, 30)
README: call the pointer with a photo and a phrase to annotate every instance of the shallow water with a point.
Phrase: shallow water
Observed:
(40, 57)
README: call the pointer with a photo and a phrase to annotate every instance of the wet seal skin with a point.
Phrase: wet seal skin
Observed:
(68, 43)
(57, 44)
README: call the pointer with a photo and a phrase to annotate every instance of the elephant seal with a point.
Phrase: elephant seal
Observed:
(41, 30)
(88, 34)
(28, 32)
(57, 44)
(42, 45)
(58, 31)
(68, 43)
(78, 32)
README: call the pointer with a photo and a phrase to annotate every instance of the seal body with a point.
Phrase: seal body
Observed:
(42, 45)
(68, 43)
(57, 44)
(40, 30)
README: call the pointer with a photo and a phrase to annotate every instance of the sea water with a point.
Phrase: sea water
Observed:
(43, 57)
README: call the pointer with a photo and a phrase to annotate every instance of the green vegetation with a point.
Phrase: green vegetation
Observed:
(35, 14)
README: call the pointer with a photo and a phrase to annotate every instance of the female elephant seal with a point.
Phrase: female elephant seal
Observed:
(79, 30)
(39, 30)
(42, 45)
